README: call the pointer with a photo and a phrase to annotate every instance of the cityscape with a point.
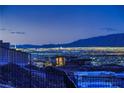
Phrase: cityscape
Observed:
(45, 47)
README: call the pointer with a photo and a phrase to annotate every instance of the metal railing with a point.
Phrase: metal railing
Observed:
(99, 82)
(29, 76)
(34, 77)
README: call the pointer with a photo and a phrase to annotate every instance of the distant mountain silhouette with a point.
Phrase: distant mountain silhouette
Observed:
(114, 40)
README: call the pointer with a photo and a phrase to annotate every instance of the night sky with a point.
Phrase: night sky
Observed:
(58, 24)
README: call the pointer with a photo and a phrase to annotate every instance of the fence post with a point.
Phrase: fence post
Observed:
(30, 70)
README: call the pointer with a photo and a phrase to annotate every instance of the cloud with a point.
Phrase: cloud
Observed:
(9, 31)
(20, 33)
(108, 29)
(4, 29)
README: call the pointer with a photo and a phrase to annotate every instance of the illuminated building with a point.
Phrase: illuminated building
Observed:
(60, 61)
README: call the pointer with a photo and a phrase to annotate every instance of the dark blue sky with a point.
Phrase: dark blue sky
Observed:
(58, 24)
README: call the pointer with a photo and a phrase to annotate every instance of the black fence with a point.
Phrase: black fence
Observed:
(12, 75)
(16, 70)
(99, 82)
(17, 75)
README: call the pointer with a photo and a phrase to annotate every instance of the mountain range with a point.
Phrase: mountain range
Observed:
(113, 40)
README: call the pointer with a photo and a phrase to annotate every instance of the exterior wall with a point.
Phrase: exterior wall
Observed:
(8, 55)
(0, 54)
(0, 51)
